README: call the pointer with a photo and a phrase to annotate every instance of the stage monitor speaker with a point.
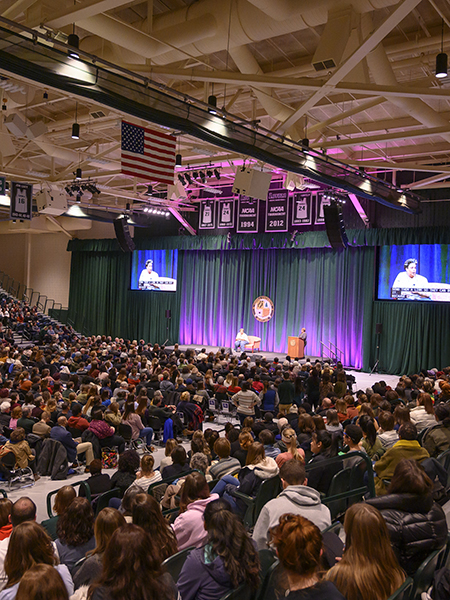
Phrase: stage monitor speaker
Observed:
(123, 234)
(168, 313)
(334, 224)
(379, 328)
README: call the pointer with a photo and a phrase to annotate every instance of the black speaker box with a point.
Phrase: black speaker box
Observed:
(334, 224)
(379, 328)
(123, 236)
(168, 313)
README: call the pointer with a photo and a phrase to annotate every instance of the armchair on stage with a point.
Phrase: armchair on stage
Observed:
(296, 347)
(253, 344)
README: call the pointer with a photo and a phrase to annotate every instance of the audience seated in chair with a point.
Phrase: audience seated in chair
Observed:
(225, 561)
(296, 498)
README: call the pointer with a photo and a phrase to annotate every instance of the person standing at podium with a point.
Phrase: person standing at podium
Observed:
(303, 335)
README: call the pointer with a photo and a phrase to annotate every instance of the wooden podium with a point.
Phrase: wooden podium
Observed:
(296, 347)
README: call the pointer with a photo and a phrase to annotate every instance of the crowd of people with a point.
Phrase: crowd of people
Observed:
(92, 394)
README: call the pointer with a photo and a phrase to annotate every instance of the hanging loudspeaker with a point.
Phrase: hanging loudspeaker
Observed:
(168, 313)
(123, 234)
(379, 328)
(334, 222)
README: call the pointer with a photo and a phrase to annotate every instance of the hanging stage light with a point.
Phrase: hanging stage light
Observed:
(73, 41)
(212, 105)
(75, 131)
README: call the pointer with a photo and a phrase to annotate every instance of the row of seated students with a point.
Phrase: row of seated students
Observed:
(122, 551)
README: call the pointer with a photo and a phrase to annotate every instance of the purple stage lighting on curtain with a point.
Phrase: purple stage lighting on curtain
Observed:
(320, 289)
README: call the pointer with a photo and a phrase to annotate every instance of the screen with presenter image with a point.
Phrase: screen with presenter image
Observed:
(154, 270)
(414, 272)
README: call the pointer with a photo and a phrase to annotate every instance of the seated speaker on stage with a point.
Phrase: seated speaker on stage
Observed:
(241, 340)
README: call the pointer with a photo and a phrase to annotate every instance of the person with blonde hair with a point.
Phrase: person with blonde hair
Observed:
(369, 568)
(146, 476)
(289, 437)
(245, 441)
(423, 414)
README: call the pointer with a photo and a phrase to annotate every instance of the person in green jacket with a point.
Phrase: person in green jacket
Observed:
(406, 447)
(437, 439)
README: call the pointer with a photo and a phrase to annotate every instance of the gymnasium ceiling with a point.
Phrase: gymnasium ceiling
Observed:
(376, 105)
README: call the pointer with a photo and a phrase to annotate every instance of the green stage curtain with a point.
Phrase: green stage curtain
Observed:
(306, 239)
(414, 336)
(101, 302)
(329, 292)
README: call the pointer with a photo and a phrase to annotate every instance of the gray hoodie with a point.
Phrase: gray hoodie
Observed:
(296, 499)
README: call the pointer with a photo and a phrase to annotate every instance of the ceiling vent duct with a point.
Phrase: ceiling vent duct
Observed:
(334, 39)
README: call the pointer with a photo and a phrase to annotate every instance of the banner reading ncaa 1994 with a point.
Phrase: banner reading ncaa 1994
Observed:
(248, 215)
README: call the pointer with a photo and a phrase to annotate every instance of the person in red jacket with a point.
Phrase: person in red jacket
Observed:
(77, 421)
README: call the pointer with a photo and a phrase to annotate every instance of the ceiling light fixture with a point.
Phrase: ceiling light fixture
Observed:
(76, 126)
(441, 58)
(73, 41)
(212, 105)
(178, 160)
(78, 173)
(217, 174)
(75, 131)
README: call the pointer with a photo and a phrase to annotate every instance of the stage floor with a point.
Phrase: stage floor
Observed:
(363, 380)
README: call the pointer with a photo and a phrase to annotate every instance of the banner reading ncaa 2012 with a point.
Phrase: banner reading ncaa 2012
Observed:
(263, 309)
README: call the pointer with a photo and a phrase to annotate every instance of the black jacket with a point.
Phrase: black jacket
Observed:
(416, 524)
(320, 477)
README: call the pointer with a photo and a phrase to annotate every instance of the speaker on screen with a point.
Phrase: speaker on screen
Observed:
(334, 223)
(123, 234)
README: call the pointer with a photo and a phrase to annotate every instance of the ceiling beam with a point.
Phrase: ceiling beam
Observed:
(392, 137)
(77, 12)
(59, 226)
(361, 107)
(182, 220)
(427, 183)
(375, 38)
(301, 83)
(400, 166)
(359, 209)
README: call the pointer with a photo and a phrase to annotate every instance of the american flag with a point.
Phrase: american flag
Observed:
(147, 154)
